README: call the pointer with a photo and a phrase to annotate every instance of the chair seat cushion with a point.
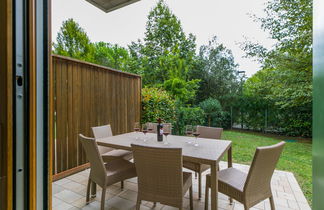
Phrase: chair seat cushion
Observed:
(117, 154)
(231, 182)
(187, 181)
(119, 169)
(197, 167)
(232, 177)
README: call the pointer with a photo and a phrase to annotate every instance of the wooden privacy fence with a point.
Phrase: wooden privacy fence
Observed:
(87, 95)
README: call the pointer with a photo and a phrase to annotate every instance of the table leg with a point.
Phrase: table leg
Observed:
(229, 158)
(229, 165)
(214, 187)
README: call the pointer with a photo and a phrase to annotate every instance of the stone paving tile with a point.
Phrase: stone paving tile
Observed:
(74, 186)
(56, 202)
(63, 206)
(62, 182)
(69, 193)
(68, 196)
(56, 188)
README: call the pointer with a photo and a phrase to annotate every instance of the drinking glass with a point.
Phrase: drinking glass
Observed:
(150, 127)
(145, 130)
(196, 133)
(137, 127)
(189, 133)
(166, 132)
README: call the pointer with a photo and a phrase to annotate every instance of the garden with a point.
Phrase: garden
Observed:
(189, 85)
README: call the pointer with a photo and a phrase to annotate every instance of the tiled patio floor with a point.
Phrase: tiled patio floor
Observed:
(69, 193)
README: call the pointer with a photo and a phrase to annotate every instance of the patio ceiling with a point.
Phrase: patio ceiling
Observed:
(110, 5)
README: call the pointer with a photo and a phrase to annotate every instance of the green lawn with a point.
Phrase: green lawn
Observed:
(296, 157)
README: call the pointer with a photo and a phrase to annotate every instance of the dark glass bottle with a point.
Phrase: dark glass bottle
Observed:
(159, 130)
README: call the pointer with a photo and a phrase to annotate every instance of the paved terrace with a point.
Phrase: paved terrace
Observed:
(69, 193)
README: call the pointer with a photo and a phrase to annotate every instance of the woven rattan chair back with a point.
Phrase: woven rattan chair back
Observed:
(102, 132)
(257, 184)
(159, 172)
(98, 171)
(210, 132)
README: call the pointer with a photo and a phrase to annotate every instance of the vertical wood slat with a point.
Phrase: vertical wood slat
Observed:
(59, 123)
(52, 117)
(70, 123)
(6, 88)
(75, 111)
(64, 117)
(88, 95)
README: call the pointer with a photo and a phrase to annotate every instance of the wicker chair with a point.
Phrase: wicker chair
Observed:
(103, 174)
(254, 187)
(107, 153)
(160, 176)
(205, 132)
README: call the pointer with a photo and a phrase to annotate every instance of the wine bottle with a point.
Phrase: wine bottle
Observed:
(159, 130)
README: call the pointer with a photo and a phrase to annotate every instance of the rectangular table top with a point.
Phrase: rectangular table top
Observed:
(209, 151)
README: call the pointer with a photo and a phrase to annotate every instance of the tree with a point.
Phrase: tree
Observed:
(164, 44)
(73, 41)
(285, 79)
(112, 56)
(164, 33)
(217, 70)
(212, 108)
(290, 22)
(289, 63)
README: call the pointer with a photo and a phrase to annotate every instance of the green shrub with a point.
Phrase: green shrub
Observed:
(223, 120)
(157, 103)
(188, 116)
(182, 89)
(212, 109)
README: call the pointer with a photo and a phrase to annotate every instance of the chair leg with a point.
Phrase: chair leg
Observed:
(195, 175)
(230, 200)
(103, 195)
(88, 191)
(154, 204)
(190, 197)
(206, 197)
(122, 184)
(93, 190)
(138, 204)
(199, 185)
(272, 203)
(246, 207)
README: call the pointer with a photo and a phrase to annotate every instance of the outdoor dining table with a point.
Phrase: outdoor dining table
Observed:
(208, 151)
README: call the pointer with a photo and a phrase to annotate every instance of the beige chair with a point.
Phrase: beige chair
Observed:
(254, 187)
(160, 176)
(104, 174)
(107, 153)
(205, 132)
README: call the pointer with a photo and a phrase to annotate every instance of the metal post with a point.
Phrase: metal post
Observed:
(241, 119)
(265, 120)
(231, 117)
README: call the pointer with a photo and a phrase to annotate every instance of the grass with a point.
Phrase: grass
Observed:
(296, 157)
